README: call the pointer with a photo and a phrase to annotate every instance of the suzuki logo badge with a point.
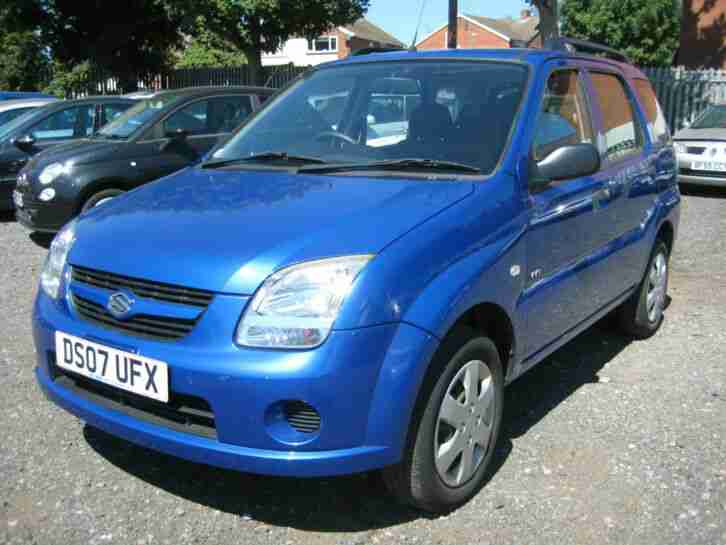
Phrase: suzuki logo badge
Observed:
(119, 305)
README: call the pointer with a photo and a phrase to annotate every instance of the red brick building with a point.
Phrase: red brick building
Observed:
(703, 34)
(475, 32)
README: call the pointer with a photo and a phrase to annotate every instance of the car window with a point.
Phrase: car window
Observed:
(112, 110)
(713, 118)
(389, 109)
(191, 118)
(9, 115)
(456, 111)
(654, 114)
(134, 119)
(226, 113)
(75, 122)
(564, 118)
(621, 131)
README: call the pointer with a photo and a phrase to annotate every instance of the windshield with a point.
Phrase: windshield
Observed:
(133, 118)
(454, 111)
(10, 126)
(713, 118)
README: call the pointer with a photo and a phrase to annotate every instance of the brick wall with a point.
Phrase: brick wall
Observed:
(470, 36)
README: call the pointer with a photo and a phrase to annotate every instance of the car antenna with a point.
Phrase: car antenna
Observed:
(412, 47)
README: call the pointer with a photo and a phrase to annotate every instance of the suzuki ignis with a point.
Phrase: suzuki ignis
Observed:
(349, 282)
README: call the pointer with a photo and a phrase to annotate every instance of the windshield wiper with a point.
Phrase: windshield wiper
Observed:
(395, 164)
(263, 157)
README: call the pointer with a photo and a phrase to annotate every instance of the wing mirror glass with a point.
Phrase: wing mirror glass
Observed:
(574, 161)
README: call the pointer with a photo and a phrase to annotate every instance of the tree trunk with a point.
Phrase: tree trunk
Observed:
(254, 64)
(548, 19)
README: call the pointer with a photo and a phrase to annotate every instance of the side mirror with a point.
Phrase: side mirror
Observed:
(566, 162)
(25, 143)
(177, 135)
(371, 119)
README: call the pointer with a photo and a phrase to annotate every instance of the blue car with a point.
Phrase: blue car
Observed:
(317, 299)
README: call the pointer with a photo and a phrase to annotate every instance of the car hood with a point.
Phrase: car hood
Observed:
(701, 134)
(78, 152)
(226, 231)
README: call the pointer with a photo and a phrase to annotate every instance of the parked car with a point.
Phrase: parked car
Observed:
(48, 126)
(156, 137)
(10, 109)
(13, 95)
(701, 148)
(303, 303)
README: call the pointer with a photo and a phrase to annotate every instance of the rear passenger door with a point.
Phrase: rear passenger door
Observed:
(628, 181)
(563, 218)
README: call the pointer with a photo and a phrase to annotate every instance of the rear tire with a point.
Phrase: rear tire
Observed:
(100, 197)
(642, 314)
(454, 428)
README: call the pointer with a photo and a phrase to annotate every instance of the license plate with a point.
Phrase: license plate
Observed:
(130, 372)
(709, 165)
(18, 199)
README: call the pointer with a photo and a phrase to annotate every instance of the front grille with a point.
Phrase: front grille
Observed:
(302, 417)
(151, 327)
(695, 150)
(704, 173)
(159, 291)
(184, 413)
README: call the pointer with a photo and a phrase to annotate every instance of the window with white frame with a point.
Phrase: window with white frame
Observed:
(324, 44)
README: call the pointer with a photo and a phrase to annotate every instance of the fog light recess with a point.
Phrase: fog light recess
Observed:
(301, 416)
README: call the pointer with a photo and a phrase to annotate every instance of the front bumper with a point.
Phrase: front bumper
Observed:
(363, 383)
(688, 177)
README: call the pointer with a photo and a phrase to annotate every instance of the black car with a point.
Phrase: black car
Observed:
(47, 126)
(156, 137)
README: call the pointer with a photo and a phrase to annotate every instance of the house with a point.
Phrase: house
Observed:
(336, 44)
(476, 32)
(703, 35)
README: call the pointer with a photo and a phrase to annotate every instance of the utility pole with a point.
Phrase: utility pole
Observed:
(548, 19)
(453, 20)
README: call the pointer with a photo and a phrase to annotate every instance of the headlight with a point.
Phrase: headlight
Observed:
(50, 278)
(296, 307)
(680, 148)
(52, 171)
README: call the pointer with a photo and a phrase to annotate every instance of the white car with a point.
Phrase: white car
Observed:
(10, 109)
(701, 148)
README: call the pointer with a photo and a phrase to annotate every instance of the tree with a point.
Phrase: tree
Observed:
(646, 30)
(258, 26)
(129, 39)
(22, 61)
(205, 49)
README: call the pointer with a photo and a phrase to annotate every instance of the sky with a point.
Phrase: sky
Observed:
(399, 17)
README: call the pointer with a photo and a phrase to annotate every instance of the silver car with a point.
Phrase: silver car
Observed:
(10, 109)
(701, 148)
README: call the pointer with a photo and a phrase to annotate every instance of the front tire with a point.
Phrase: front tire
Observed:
(455, 426)
(100, 198)
(642, 314)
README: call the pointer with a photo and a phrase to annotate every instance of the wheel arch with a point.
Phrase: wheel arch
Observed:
(96, 186)
(666, 233)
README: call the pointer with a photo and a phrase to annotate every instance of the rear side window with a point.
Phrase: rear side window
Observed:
(656, 119)
(564, 119)
(621, 130)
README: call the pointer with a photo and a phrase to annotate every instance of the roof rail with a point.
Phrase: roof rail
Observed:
(368, 50)
(573, 45)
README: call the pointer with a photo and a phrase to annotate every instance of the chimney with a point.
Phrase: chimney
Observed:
(525, 14)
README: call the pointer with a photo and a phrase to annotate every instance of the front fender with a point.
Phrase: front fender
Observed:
(492, 274)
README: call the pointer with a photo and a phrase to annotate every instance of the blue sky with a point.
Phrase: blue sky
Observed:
(398, 17)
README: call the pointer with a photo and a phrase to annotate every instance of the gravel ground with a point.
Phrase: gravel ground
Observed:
(608, 441)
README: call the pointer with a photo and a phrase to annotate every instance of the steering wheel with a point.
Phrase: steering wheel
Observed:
(334, 135)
